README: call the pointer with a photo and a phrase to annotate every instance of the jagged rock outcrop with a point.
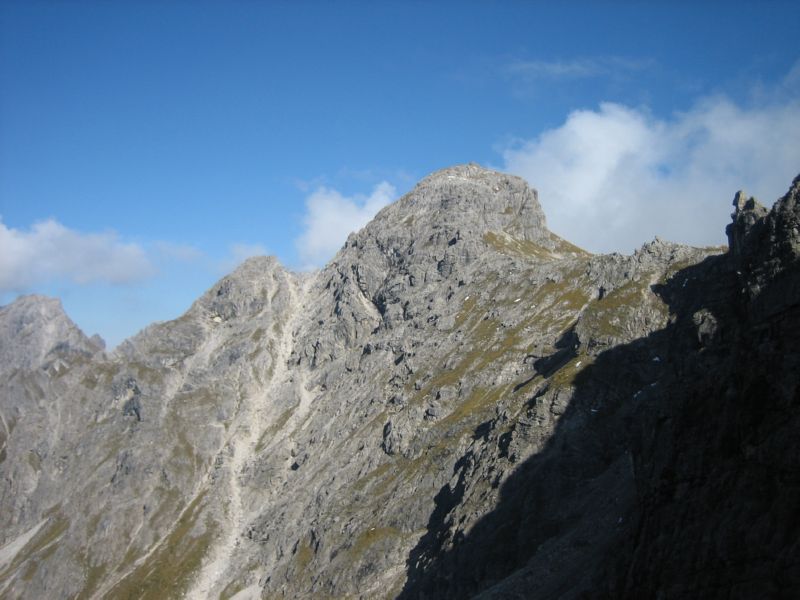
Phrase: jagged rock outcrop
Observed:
(460, 403)
(718, 469)
(37, 331)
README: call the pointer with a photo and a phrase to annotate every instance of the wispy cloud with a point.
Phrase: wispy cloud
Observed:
(610, 179)
(49, 251)
(791, 80)
(330, 217)
(574, 68)
(178, 252)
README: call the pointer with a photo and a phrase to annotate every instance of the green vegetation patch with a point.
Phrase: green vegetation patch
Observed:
(371, 536)
(94, 577)
(376, 474)
(33, 460)
(467, 311)
(167, 572)
(168, 507)
(490, 341)
(102, 374)
(507, 244)
(607, 317)
(185, 453)
(200, 397)
(270, 431)
(147, 374)
(40, 547)
(562, 246)
(504, 243)
(567, 374)
(556, 305)
(479, 402)
(675, 268)
(31, 386)
(303, 555)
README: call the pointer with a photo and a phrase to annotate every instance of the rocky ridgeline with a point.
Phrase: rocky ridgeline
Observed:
(461, 403)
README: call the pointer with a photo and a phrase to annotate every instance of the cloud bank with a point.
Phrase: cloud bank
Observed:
(613, 178)
(330, 217)
(49, 251)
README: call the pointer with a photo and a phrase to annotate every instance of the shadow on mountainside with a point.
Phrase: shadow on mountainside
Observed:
(673, 471)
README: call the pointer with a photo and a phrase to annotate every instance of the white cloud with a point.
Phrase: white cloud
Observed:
(613, 178)
(330, 217)
(51, 252)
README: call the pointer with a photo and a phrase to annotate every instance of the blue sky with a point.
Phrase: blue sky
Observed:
(147, 147)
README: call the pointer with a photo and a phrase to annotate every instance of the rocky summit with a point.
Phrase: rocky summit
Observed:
(460, 404)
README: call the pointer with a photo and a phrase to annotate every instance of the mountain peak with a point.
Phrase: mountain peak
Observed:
(472, 198)
(470, 173)
(450, 212)
(34, 311)
(455, 224)
(32, 326)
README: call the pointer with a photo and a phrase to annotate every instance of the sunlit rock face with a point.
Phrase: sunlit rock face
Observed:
(460, 403)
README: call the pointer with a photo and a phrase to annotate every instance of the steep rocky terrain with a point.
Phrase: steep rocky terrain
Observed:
(461, 403)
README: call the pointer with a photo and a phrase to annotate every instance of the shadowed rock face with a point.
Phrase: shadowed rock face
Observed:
(461, 403)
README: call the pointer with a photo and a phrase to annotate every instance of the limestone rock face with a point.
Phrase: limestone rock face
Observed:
(460, 403)
(36, 330)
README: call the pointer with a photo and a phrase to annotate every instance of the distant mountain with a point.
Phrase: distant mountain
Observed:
(459, 404)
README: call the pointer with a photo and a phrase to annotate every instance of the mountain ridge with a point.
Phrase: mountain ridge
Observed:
(459, 403)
